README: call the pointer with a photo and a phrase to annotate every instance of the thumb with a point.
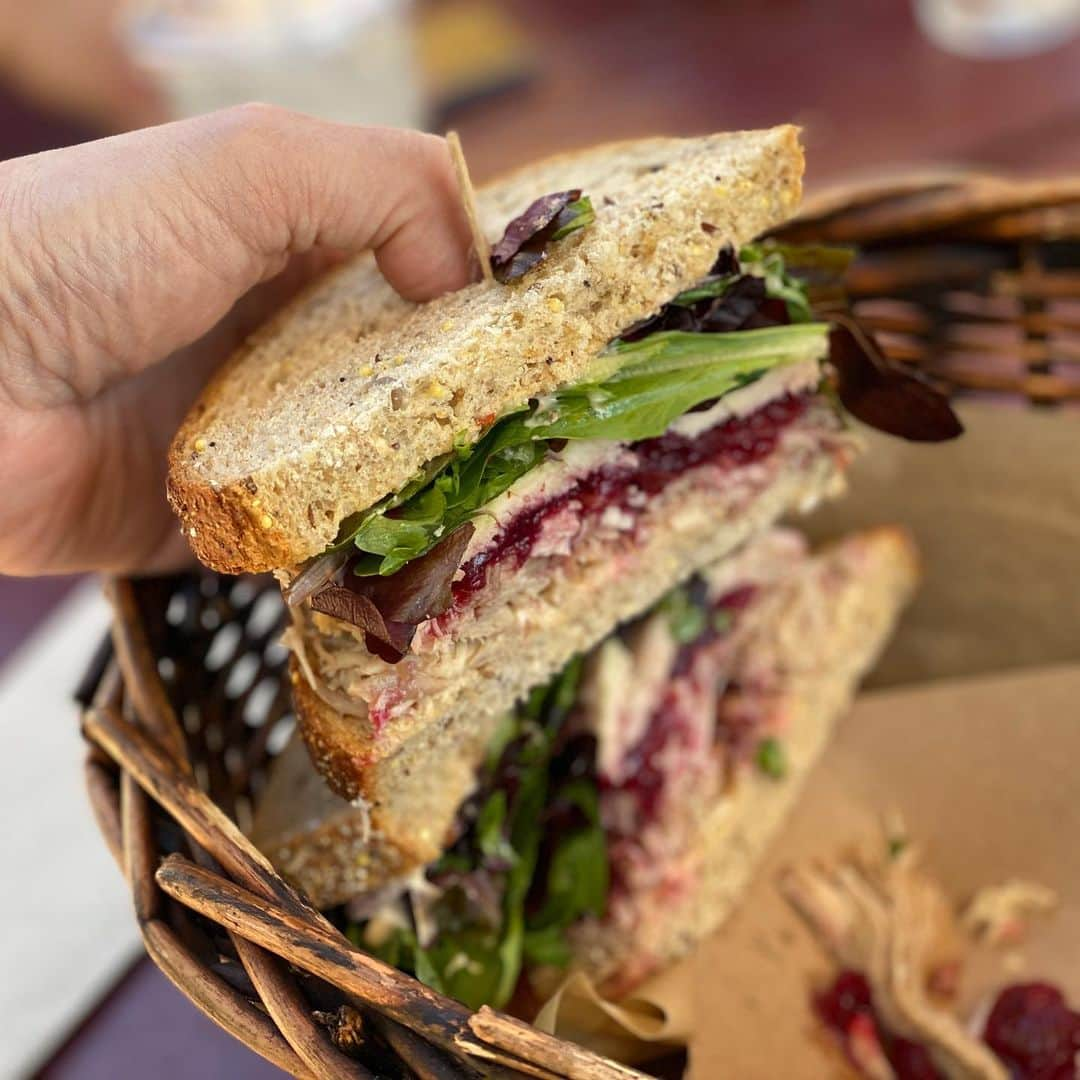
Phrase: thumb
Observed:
(127, 249)
(338, 186)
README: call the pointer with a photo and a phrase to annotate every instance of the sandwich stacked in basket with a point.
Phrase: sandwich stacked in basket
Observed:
(560, 669)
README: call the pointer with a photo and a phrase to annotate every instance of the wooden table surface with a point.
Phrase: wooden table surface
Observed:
(871, 92)
(872, 95)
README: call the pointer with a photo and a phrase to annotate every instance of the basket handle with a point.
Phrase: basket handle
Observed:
(486, 1034)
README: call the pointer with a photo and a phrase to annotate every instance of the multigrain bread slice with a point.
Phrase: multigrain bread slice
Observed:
(343, 397)
(335, 849)
(823, 645)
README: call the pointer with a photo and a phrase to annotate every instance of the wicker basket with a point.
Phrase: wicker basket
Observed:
(974, 280)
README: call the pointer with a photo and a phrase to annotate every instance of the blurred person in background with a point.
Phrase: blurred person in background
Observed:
(68, 56)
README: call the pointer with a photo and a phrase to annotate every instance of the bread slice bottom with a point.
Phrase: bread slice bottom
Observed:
(827, 635)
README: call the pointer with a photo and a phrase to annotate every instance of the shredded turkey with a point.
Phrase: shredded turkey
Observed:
(890, 923)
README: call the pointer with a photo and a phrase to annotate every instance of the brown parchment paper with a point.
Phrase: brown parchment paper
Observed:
(996, 515)
(984, 772)
(980, 769)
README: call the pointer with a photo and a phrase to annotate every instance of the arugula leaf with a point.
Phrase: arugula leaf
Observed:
(548, 947)
(489, 828)
(772, 262)
(663, 376)
(524, 833)
(573, 217)
(504, 734)
(561, 694)
(767, 262)
(464, 965)
(479, 964)
(470, 480)
(426, 971)
(708, 289)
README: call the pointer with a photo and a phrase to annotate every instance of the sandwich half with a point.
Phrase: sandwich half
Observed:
(617, 813)
(459, 497)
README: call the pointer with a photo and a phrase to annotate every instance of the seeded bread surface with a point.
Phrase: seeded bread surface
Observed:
(350, 390)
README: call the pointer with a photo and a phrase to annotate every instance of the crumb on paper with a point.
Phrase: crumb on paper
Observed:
(999, 915)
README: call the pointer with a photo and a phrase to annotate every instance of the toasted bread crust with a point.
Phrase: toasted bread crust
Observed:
(330, 740)
(215, 515)
(422, 784)
(343, 396)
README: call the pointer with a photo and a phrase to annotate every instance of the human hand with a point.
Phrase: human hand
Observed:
(131, 266)
(67, 55)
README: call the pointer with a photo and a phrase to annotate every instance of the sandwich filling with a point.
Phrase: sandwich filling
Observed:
(599, 510)
(713, 384)
(425, 550)
(592, 788)
(701, 408)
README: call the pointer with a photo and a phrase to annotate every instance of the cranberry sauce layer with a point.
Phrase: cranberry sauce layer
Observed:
(678, 745)
(735, 444)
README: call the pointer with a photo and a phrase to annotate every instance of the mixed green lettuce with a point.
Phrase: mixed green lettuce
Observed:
(650, 382)
(657, 379)
(525, 242)
(658, 370)
(501, 904)
(531, 858)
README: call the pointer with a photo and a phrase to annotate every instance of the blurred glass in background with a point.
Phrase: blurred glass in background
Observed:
(346, 60)
(998, 28)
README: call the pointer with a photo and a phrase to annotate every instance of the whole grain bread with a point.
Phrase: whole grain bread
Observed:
(350, 390)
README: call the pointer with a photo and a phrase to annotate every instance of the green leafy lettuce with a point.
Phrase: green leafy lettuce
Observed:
(686, 619)
(576, 216)
(774, 262)
(655, 381)
(477, 957)
(771, 759)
